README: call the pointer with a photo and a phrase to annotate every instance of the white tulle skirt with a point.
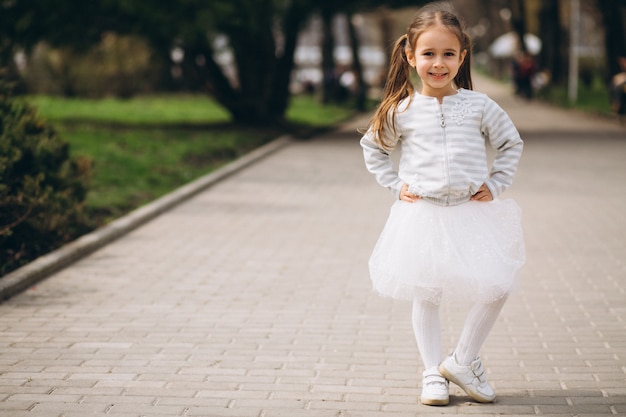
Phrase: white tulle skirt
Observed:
(472, 250)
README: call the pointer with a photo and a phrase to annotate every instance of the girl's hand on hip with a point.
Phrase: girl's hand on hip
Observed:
(483, 194)
(406, 196)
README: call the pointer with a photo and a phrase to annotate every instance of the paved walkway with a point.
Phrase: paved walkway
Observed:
(252, 299)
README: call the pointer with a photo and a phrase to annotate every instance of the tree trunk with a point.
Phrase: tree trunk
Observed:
(210, 74)
(292, 23)
(255, 57)
(615, 33)
(518, 20)
(550, 32)
(261, 94)
(329, 76)
(387, 33)
(361, 92)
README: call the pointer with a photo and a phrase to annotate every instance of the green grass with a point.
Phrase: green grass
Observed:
(306, 110)
(173, 110)
(162, 110)
(145, 147)
(134, 166)
(593, 98)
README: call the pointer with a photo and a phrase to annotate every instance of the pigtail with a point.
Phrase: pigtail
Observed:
(463, 78)
(397, 87)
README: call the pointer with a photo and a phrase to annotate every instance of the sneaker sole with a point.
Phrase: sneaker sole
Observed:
(451, 377)
(434, 401)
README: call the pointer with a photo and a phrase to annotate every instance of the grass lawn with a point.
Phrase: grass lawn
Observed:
(186, 110)
(161, 110)
(593, 98)
(145, 147)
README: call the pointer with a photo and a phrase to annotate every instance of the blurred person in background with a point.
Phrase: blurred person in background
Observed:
(618, 90)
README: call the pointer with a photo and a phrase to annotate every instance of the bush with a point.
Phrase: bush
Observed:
(42, 189)
(120, 66)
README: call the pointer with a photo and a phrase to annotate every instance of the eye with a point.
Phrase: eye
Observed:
(427, 53)
(450, 54)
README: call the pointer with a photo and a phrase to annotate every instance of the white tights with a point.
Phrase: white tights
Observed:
(427, 327)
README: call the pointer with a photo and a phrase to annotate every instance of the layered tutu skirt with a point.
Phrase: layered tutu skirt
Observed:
(472, 250)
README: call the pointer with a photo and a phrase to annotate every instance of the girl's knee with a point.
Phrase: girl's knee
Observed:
(494, 294)
(429, 295)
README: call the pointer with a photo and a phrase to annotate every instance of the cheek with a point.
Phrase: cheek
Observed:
(422, 65)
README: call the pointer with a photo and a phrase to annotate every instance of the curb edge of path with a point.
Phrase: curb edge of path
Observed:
(41, 268)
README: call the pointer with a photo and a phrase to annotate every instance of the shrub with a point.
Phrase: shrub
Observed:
(120, 66)
(42, 189)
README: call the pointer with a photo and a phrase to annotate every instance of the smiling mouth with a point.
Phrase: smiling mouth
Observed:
(438, 74)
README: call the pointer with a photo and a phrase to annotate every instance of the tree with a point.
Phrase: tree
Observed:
(361, 89)
(327, 11)
(261, 37)
(551, 34)
(518, 21)
(613, 12)
(24, 23)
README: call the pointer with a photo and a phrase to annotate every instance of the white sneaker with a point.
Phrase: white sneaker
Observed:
(471, 378)
(434, 388)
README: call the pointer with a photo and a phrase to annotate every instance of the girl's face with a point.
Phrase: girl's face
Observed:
(437, 58)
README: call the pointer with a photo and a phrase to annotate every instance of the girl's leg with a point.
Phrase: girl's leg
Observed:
(427, 329)
(480, 320)
(464, 368)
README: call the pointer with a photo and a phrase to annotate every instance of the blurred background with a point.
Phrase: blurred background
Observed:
(250, 55)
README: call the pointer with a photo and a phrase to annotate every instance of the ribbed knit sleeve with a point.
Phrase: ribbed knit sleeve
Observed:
(501, 133)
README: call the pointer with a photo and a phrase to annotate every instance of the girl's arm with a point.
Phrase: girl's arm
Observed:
(378, 162)
(505, 139)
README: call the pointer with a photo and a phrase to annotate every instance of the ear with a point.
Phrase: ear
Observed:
(462, 56)
(410, 57)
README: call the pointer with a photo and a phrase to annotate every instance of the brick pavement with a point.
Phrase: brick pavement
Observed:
(252, 299)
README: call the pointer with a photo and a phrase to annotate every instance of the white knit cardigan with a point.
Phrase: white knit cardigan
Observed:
(443, 148)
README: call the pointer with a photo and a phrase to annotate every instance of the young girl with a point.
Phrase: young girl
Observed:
(446, 233)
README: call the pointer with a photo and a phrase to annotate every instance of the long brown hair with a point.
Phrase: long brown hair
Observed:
(399, 85)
